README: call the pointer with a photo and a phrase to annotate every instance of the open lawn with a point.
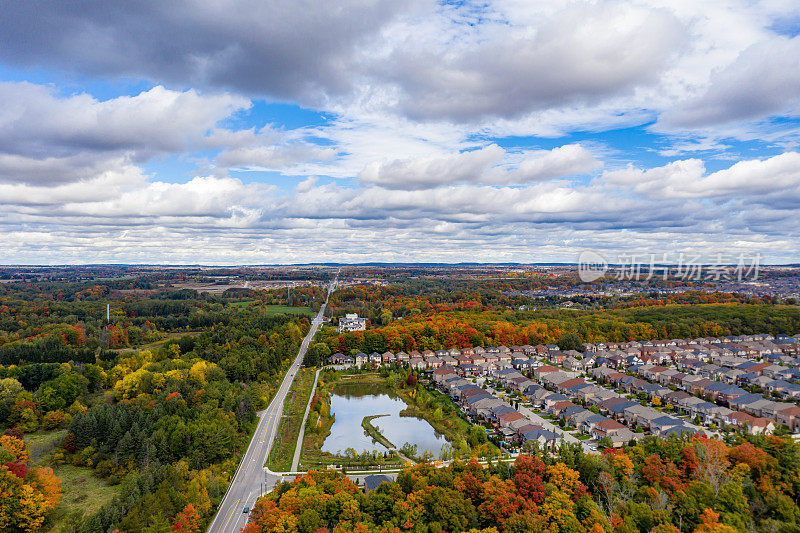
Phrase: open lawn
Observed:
(272, 310)
(82, 495)
(152, 346)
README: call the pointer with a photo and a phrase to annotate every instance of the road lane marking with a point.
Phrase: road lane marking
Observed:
(235, 506)
(269, 419)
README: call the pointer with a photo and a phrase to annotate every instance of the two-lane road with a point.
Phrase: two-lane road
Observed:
(247, 485)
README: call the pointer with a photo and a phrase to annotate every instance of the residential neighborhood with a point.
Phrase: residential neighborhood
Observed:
(609, 394)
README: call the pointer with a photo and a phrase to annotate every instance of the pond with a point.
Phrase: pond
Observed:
(347, 432)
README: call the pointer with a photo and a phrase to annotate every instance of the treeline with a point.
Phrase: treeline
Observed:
(680, 485)
(411, 297)
(44, 331)
(494, 328)
(45, 350)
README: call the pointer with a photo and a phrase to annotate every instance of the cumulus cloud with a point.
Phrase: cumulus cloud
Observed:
(34, 121)
(564, 161)
(215, 220)
(580, 52)
(81, 166)
(421, 95)
(480, 166)
(688, 179)
(763, 80)
(435, 170)
(256, 47)
(463, 62)
(97, 185)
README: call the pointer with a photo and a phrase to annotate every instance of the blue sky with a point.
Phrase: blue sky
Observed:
(382, 131)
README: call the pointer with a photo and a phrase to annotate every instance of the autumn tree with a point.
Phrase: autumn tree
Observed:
(187, 521)
(712, 455)
(528, 478)
(26, 497)
(709, 523)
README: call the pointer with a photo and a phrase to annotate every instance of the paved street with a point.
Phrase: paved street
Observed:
(547, 424)
(251, 478)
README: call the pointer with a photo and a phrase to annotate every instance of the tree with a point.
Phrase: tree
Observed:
(564, 478)
(448, 509)
(500, 501)
(317, 355)
(25, 497)
(661, 473)
(713, 461)
(187, 521)
(528, 478)
(709, 523)
(48, 484)
(570, 341)
(605, 443)
(557, 512)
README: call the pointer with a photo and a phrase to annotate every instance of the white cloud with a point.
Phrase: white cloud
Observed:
(688, 179)
(564, 161)
(580, 51)
(417, 92)
(34, 121)
(481, 166)
(763, 80)
(434, 170)
(497, 62)
(100, 185)
(200, 197)
(276, 157)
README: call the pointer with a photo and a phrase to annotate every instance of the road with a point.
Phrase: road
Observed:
(251, 478)
(546, 424)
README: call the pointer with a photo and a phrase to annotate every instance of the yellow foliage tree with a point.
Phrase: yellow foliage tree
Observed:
(564, 478)
(16, 447)
(25, 500)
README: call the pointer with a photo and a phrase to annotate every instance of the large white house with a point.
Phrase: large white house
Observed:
(351, 322)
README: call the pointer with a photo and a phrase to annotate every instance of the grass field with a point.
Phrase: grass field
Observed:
(40, 444)
(286, 310)
(280, 458)
(82, 495)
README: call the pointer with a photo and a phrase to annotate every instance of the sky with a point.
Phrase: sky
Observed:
(276, 132)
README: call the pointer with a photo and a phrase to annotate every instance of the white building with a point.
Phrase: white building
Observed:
(351, 322)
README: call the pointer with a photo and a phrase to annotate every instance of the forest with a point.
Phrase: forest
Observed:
(465, 328)
(158, 403)
(688, 485)
(496, 290)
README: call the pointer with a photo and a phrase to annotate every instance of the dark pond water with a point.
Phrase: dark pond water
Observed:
(347, 432)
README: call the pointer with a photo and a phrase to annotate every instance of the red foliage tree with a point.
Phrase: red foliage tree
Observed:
(528, 478)
(662, 473)
(187, 521)
(16, 468)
